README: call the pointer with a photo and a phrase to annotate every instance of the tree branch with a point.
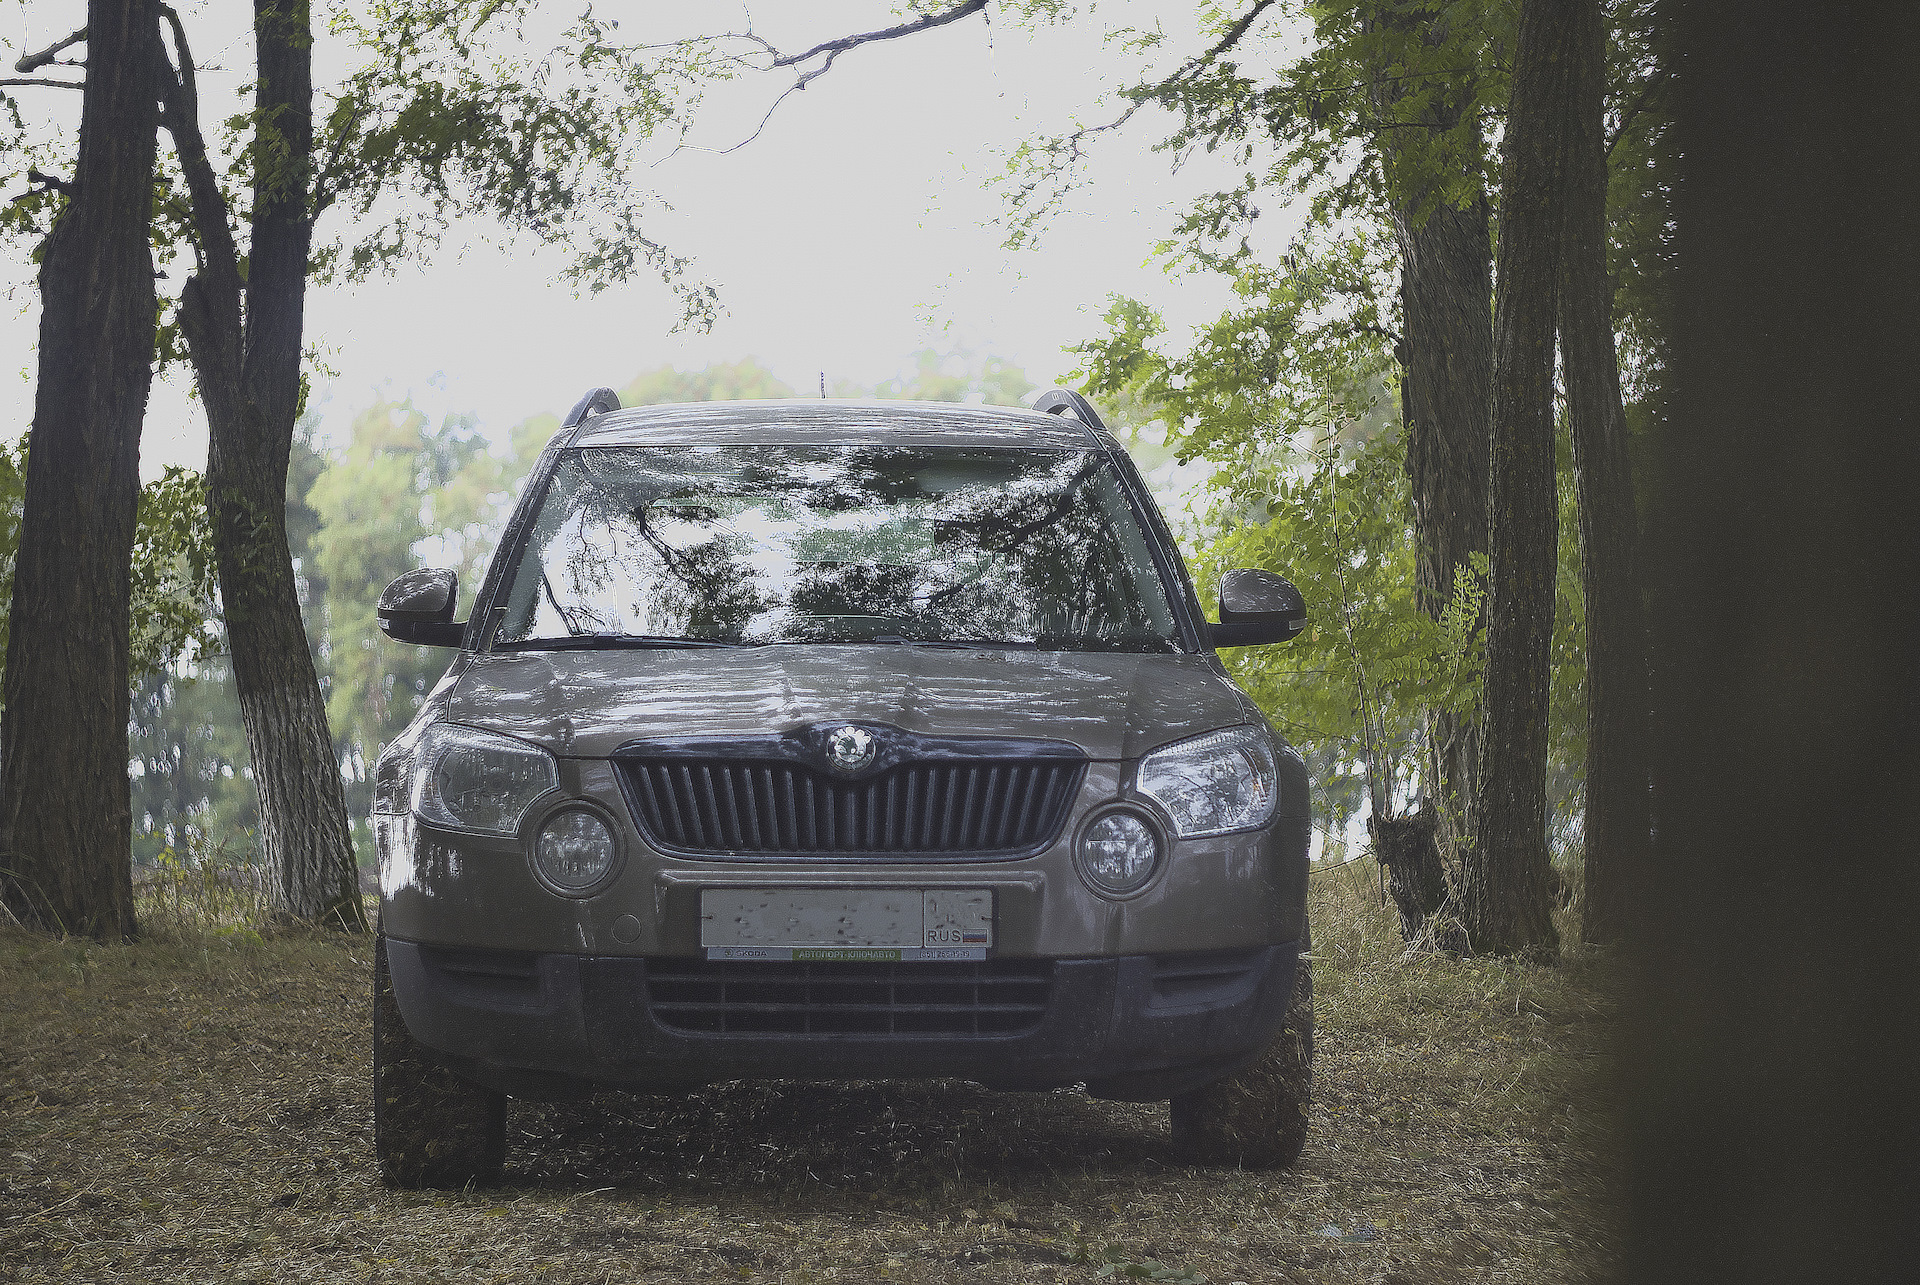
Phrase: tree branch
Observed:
(38, 183)
(1069, 144)
(1187, 68)
(834, 48)
(34, 62)
(1634, 108)
(49, 84)
(1384, 333)
(180, 114)
(326, 174)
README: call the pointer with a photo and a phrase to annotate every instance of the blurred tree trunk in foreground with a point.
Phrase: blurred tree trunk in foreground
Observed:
(66, 818)
(1618, 811)
(1771, 1124)
(1505, 898)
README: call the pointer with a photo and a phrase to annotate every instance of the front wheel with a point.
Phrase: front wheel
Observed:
(1257, 1118)
(430, 1127)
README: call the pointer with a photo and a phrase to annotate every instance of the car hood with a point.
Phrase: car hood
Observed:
(582, 704)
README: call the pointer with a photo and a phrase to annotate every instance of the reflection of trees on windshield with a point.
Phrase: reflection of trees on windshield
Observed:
(837, 543)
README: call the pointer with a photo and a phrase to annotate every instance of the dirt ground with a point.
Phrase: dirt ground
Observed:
(195, 1108)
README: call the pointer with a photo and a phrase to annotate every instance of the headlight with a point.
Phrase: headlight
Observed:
(468, 779)
(574, 851)
(1214, 784)
(1118, 851)
(393, 772)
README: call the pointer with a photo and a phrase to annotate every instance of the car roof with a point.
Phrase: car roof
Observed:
(833, 422)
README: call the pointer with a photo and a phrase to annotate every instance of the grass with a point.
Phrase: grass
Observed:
(194, 1107)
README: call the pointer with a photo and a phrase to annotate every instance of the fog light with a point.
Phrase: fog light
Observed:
(1118, 851)
(574, 851)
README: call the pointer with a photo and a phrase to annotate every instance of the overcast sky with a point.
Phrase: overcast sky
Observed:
(855, 230)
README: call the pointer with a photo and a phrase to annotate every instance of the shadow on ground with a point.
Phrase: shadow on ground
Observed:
(833, 1141)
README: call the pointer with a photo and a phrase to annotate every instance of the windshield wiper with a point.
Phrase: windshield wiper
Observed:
(962, 644)
(610, 642)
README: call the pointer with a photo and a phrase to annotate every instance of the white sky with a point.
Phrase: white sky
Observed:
(855, 230)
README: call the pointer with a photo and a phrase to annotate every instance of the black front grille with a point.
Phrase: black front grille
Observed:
(723, 997)
(731, 807)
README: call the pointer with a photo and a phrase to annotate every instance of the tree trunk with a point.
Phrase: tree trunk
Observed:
(1446, 361)
(1504, 884)
(249, 379)
(67, 850)
(1446, 293)
(1406, 847)
(1618, 806)
(1768, 1118)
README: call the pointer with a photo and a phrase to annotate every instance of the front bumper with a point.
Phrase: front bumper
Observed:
(1133, 1027)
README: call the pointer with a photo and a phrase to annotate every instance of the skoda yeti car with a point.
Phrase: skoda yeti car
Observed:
(830, 740)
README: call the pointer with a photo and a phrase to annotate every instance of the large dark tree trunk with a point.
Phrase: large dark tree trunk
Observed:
(1504, 888)
(1771, 1126)
(248, 368)
(1446, 362)
(67, 812)
(1618, 806)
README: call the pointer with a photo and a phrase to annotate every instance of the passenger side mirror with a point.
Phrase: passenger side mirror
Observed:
(418, 608)
(1257, 607)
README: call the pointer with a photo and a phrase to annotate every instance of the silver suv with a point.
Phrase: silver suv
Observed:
(838, 740)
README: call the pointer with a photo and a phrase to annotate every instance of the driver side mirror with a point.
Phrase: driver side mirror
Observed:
(1257, 607)
(418, 608)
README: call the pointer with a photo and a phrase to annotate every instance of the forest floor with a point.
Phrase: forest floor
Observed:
(195, 1107)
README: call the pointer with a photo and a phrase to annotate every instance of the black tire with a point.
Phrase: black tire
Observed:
(430, 1127)
(1256, 1119)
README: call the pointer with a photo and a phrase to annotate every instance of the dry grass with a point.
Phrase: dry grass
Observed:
(194, 1108)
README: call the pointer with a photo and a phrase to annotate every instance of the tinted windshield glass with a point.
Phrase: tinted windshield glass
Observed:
(771, 544)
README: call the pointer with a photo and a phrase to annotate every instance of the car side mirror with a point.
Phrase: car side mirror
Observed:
(1257, 607)
(418, 608)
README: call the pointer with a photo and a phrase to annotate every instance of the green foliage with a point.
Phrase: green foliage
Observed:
(1639, 190)
(192, 780)
(1567, 701)
(192, 789)
(1372, 660)
(455, 109)
(172, 569)
(1292, 403)
(1422, 77)
(1388, 111)
(173, 574)
(1302, 333)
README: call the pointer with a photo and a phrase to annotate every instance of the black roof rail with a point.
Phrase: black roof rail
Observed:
(1064, 401)
(598, 401)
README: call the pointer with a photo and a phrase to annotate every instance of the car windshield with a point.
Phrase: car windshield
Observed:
(669, 545)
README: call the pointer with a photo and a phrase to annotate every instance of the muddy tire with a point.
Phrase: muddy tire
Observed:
(430, 1127)
(1256, 1119)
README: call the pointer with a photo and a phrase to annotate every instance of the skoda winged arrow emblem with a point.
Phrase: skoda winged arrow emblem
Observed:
(849, 748)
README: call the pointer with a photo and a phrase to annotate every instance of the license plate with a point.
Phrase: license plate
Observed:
(823, 924)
